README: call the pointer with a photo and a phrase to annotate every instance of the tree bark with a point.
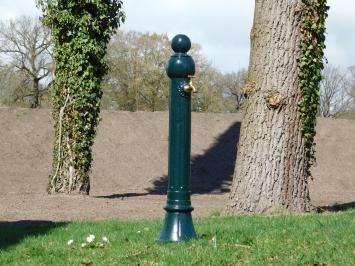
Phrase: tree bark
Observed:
(270, 170)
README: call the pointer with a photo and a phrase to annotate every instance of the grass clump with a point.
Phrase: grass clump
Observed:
(317, 239)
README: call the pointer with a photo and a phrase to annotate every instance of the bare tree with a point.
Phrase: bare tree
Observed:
(233, 84)
(13, 86)
(352, 83)
(137, 79)
(350, 112)
(25, 45)
(334, 92)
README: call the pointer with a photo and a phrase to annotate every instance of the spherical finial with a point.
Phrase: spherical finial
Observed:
(181, 43)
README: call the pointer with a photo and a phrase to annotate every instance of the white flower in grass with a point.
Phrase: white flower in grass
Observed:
(70, 242)
(90, 238)
(83, 245)
(105, 239)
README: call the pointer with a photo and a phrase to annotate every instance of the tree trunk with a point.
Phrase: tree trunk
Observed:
(80, 67)
(67, 177)
(36, 95)
(271, 171)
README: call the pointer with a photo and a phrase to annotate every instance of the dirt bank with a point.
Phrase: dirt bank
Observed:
(130, 168)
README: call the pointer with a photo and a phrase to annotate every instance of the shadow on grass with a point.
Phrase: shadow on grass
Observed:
(11, 233)
(211, 172)
(337, 207)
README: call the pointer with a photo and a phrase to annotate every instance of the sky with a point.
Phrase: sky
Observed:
(222, 29)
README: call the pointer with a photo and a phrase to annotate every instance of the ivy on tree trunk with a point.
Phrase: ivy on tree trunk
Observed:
(80, 30)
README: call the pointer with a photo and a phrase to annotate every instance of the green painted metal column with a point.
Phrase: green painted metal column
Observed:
(180, 68)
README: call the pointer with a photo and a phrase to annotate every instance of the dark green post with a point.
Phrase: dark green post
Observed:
(180, 68)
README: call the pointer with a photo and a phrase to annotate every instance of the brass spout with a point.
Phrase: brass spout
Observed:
(188, 88)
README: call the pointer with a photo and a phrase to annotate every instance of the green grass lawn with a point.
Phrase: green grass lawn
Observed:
(318, 239)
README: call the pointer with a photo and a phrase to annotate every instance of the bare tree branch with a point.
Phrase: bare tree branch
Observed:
(25, 45)
(334, 92)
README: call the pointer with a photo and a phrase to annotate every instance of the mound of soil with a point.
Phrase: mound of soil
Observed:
(129, 175)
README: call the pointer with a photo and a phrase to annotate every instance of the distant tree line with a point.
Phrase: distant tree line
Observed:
(136, 80)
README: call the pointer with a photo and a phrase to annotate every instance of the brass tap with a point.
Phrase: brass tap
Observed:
(188, 88)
